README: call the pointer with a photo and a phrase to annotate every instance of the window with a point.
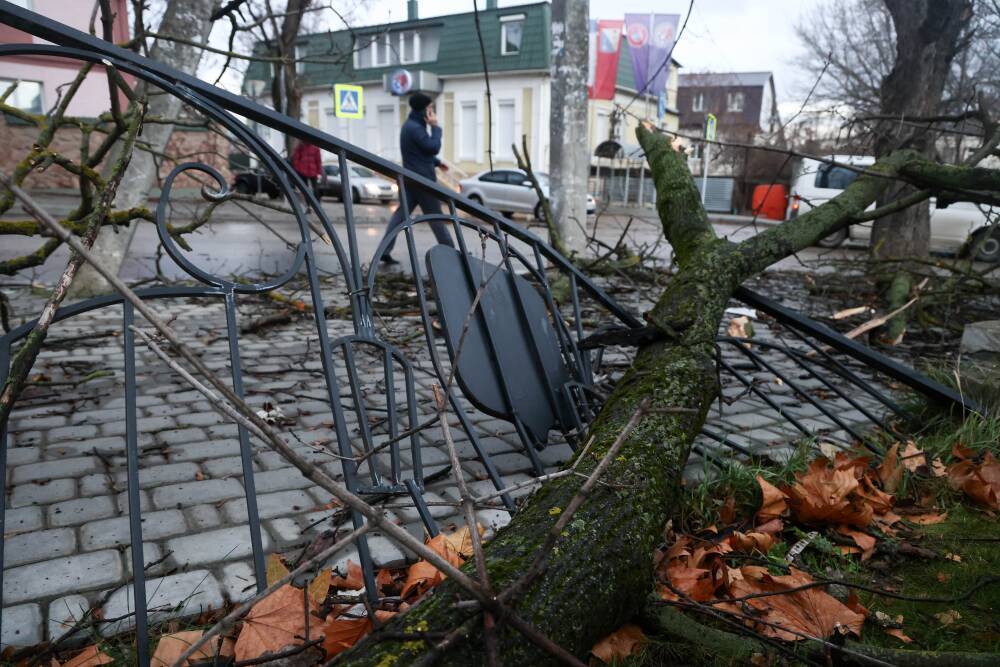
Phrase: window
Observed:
(734, 101)
(505, 127)
(381, 53)
(698, 102)
(468, 122)
(27, 96)
(833, 177)
(494, 177)
(511, 31)
(300, 53)
(409, 47)
(602, 127)
(312, 113)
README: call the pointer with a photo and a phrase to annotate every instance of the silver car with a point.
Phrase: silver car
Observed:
(509, 191)
(366, 185)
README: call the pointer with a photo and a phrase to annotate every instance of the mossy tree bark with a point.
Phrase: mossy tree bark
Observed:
(601, 569)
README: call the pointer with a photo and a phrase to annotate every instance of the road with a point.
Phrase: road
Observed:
(253, 240)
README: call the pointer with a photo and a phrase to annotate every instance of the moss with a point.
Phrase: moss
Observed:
(974, 537)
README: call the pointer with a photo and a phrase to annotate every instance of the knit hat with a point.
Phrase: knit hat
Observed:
(419, 101)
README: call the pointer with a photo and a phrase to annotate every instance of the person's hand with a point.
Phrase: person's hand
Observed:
(442, 166)
(431, 117)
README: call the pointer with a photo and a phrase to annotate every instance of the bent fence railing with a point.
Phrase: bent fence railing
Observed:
(509, 344)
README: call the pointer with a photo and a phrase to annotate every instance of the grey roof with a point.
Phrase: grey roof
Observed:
(712, 79)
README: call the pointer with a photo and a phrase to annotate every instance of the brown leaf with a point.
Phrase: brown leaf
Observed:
(276, 570)
(898, 634)
(864, 541)
(89, 657)
(928, 519)
(728, 511)
(340, 634)
(773, 504)
(943, 578)
(948, 617)
(421, 577)
(320, 586)
(750, 542)
(355, 579)
(812, 611)
(277, 621)
(825, 495)
(619, 644)
(172, 646)
(890, 471)
(740, 327)
(981, 481)
(913, 457)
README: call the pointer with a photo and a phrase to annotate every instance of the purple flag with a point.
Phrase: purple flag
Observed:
(650, 39)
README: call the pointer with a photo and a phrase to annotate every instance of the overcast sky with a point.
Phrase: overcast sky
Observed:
(722, 35)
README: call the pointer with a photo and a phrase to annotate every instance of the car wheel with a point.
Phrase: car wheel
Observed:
(477, 199)
(242, 188)
(355, 196)
(987, 245)
(539, 213)
(507, 214)
(833, 240)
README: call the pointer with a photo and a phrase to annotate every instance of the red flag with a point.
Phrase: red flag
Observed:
(609, 34)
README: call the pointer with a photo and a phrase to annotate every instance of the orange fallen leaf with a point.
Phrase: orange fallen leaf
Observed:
(898, 634)
(727, 514)
(890, 471)
(421, 576)
(89, 657)
(943, 578)
(773, 504)
(276, 569)
(619, 644)
(340, 634)
(750, 542)
(171, 647)
(928, 519)
(825, 495)
(320, 586)
(355, 579)
(277, 621)
(979, 481)
(953, 557)
(913, 457)
(864, 541)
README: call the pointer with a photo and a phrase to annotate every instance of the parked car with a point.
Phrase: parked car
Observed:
(953, 225)
(366, 185)
(255, 181)
(509, 191)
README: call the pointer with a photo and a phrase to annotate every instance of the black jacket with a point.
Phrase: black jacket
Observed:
(419, 149)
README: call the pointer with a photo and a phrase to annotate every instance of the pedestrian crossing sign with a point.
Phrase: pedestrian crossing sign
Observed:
(348, 101)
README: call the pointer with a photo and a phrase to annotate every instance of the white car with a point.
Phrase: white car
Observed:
(366, 185)
(951, 226)
(509, 191)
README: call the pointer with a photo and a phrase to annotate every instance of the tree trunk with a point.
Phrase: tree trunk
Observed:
(187, 19)
(569, 159)
(285, 89)
(601, 568)
(927, 39)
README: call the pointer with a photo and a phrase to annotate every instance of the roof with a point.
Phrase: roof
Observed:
(458, 50)
(716, 79)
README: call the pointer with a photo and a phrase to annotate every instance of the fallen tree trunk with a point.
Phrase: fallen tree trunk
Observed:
(600, 571)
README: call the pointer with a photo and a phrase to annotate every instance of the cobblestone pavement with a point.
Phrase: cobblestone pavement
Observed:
(66, 517)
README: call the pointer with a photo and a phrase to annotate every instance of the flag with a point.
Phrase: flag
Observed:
(651, 39)
(604, 66)
(637, 34)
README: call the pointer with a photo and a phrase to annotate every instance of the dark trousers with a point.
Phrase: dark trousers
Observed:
(429, 205)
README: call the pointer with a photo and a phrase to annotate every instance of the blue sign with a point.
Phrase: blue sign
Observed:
(347, 101)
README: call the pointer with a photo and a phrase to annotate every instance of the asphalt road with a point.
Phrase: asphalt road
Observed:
(254, 240)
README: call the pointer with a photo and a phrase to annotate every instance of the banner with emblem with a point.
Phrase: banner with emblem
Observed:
(604, 66)
(650, 40)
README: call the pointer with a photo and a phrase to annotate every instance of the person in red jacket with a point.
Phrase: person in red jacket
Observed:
(308, 163)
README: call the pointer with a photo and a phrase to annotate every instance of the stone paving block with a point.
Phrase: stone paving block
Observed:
(68, 433)
(385, 552)
(203, 516)
(269, 505)
(238, 581)
(200, 418)
(42, 493)
(492, 521)
(225, 467)
(61, 576)
(153, 424)
(50, 421)
(173, 596)
(25, 438)
(23, 519)
(115, 532)
(280, 480)
(38, 545)
(17, 456)
(222, 431)
(193, 493)
(81, 510)
(151, 553)
(121, 502)
(403, 507)
(96, 416)
(65, 613)
(286, 530)
(512, 463)
(43, 470)
(64, 450)
(214, 546)
(22, 625)
(203, 451)
(181, 436)
(164, 410)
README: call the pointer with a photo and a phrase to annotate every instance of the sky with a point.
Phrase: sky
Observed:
(722, 35)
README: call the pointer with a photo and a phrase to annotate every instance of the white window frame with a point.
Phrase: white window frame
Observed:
(504, 22)
(383, 39)
(6, 82)
(298, 53)
(469, 153)
(502, 150)
(416, 47)
(698, 102)
(735, 102)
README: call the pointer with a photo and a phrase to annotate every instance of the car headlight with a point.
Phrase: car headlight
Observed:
(371, 188)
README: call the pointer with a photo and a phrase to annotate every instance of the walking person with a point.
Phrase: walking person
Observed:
(307, 163)
(419, 144)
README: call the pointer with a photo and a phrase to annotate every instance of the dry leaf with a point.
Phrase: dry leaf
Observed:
(355, 579)
(913, 457)
(890, 472)
(864, 541)
(850, 312)
(928, 519)
(948, 617)
(276, 570)
(727, 514)
(773, 504)
(750, 542)
(825, 495)
(421, 577)
(740, 327)
(943, 578)
(981, 481)
(619, 644)
(898, 634)
(320, 586)
(340, 634)
(953, 557)
(171, 647)
(89, 657)
(277, 621)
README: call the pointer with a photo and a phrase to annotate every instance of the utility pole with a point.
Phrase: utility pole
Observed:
(569, 166)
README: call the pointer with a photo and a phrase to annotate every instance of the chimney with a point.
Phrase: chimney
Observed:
(411, 10)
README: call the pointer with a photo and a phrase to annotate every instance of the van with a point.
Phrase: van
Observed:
(952, 225)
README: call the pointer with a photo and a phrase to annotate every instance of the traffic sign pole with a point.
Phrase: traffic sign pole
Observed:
(710, 123)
